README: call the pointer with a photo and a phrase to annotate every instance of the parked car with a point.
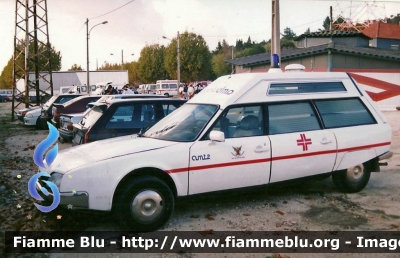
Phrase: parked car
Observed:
(75, 105)
(22, 112)
(31, 117)
(46, 111)
(67, 120)
(242, 130)
(121, 117)
(4, 98)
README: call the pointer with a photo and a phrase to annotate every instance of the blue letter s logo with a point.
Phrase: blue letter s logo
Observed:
(38, 158)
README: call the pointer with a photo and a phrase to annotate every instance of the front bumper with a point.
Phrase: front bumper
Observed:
(71, 200)
(30, 120)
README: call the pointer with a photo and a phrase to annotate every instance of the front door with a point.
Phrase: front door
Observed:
(243, 159)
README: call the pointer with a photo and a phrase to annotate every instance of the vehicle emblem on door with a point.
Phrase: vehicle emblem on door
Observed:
(238, 152)
(304, 142)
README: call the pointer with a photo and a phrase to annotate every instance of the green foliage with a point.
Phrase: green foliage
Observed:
(75, 67)
(327, 23)
(195, 58)
(394, 19)
(239, 45)
(254, 50)
(151, 64)
(289, 34)
(108, 66)
(133, 75)
(219, 66)
(6, 76)
(43, 63)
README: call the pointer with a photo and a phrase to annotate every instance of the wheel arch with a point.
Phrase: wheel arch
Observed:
(147, 171)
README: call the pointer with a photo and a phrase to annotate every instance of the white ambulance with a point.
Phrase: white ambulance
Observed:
(242, 130)
(167, 87)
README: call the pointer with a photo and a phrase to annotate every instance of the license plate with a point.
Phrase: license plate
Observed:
(77, 138)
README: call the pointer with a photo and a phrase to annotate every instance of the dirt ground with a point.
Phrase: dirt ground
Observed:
(299, 205)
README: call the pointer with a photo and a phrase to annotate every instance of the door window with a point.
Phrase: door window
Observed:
(241, 122)
(291, 117)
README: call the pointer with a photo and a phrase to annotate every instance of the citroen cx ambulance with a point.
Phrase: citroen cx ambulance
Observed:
(242, 130)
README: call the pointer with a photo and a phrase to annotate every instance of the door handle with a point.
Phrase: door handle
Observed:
(260, 149)
(325, 141)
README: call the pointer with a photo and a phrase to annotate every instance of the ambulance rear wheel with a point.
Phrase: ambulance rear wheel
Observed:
(145, 204)
(166, 95)
(352, 180)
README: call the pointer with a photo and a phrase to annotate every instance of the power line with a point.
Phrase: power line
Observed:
(112, 10)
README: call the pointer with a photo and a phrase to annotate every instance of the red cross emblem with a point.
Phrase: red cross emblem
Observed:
(304, 142)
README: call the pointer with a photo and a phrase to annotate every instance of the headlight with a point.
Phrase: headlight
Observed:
(29, 115)
(56, 178)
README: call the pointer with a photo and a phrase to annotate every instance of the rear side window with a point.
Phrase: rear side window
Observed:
(292, 117)
(343, 113)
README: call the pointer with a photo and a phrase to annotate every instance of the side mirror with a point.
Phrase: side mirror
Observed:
(217, 136)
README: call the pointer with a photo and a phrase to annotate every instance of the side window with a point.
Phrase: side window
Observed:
(147, 115)
(241, 122)
(168, 109)
(343, 112)
(291, 117)
(121, 118)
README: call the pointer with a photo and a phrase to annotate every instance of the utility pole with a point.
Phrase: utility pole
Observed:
(276, 35)
(26, 12)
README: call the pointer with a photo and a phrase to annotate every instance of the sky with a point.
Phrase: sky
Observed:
(133, 24)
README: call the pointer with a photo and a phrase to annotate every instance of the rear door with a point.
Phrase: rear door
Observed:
(300, 147)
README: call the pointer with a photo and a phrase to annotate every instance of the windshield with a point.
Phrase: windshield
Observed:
(184, 124)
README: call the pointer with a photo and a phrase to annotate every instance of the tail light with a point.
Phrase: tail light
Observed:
(70, 127)
(86, 138)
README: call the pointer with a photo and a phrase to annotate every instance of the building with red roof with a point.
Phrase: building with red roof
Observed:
(384, 35)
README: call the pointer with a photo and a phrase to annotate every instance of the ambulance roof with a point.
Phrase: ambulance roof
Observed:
(261, 87)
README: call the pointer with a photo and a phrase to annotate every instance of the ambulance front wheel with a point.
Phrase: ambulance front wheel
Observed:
(145, 204)
(352, 180)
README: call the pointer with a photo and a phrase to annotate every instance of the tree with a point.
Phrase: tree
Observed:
(394, 19)
(248, 43)
(289, 34)
(254, 50)
(6, 76)
(75, 67)
(327, 23)
(43, 64)
(133, 75)
(195, 58)
(151, 64)
(218, 49)
(239, 45)
(219, 66)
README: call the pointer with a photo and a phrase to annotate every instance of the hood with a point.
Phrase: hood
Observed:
(85, 154)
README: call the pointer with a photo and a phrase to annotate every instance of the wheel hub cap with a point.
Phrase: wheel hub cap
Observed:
(146, 206)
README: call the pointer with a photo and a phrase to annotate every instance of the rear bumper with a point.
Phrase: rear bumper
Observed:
(66, 134)
(386, 155)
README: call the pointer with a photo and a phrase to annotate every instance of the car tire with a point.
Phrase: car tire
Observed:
(166, 95)
(352, 180)
(144, 204)
(37, 126)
